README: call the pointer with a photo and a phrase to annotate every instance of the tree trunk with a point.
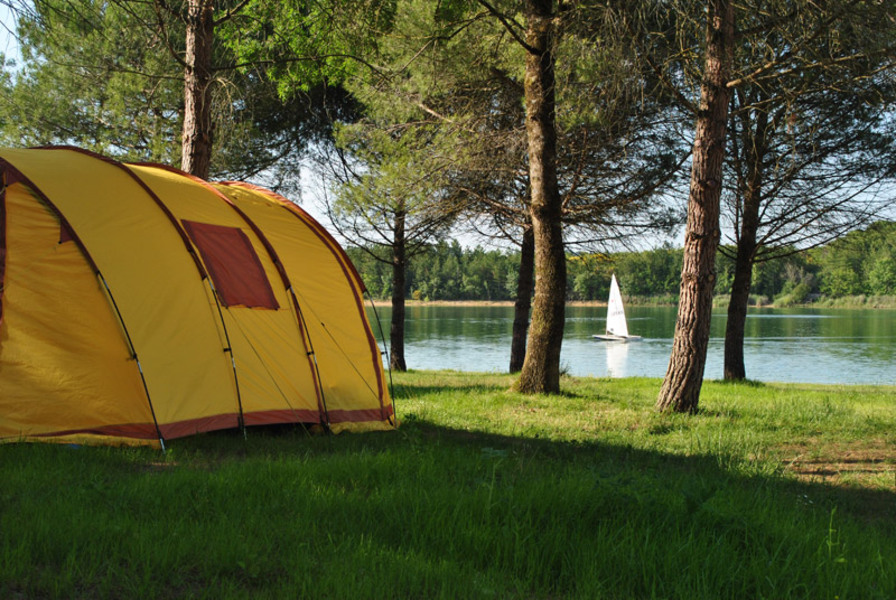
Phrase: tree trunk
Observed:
(681, 387)
(399, 274)
(196, 140)
(737, 314)
(751, 199)
(523, 301)
(541, 367)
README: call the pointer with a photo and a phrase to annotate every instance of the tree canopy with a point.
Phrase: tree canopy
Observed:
(109, 77)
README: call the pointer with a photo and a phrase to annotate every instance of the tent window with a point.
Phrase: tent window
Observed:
(233, 265)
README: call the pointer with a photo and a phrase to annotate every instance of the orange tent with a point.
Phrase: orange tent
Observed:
(141, 304)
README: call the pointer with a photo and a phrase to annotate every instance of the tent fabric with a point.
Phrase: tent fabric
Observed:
(140, 304)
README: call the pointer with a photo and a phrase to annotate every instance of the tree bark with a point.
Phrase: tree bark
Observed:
(524, 284)
(399, 275)
(751, 200)
(681, 387)
(735, 328)
(196, 140)
(541, 367)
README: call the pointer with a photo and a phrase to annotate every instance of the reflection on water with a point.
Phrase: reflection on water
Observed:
(796, 345)
(617, 359)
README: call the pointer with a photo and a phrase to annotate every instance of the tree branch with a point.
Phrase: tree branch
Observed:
(230, 13)
(510, 26)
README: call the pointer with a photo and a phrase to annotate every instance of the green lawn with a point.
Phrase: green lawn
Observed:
(772, 491)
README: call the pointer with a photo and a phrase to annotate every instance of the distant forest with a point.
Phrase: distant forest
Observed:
(860, 263)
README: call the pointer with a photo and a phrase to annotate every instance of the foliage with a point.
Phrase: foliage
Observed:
(108, 77)
(306, 44)
(114, 93)
(861, 263)
(445, 271)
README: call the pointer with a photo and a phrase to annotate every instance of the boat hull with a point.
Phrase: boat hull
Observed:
(617, 338)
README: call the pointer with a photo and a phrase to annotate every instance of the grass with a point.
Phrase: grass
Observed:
(772, 491)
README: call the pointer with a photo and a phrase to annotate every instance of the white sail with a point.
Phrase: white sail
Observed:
(616, 324)
(617, 329)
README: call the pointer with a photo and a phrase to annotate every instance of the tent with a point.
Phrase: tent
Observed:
(140, 304)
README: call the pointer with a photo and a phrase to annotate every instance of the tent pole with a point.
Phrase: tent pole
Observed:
(228, 348)
(127, 336)
(303, 327)
(385, 352)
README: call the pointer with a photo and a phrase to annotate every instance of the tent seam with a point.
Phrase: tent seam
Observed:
(345, 264)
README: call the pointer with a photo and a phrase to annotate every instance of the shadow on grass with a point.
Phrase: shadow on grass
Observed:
(872, 506)
(432, 511)
(655, 468)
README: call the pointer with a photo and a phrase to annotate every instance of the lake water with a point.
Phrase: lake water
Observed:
(792, 345)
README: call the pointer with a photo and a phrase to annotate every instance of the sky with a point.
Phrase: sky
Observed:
(8, 44)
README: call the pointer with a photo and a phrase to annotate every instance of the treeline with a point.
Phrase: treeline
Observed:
(860, 263)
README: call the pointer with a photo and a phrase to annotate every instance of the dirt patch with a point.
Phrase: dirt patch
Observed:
(862, 463)
(859, 477)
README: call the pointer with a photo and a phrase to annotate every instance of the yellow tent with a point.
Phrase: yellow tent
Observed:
(141, 304)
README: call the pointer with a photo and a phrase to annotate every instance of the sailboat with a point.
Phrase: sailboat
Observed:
(617, 328)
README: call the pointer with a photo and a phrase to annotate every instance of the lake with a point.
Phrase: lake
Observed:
(789, 345)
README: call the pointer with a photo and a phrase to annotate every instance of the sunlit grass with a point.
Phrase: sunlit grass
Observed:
(482, 493)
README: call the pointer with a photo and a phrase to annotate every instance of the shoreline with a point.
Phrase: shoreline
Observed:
(843, 304)
(500, 303)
